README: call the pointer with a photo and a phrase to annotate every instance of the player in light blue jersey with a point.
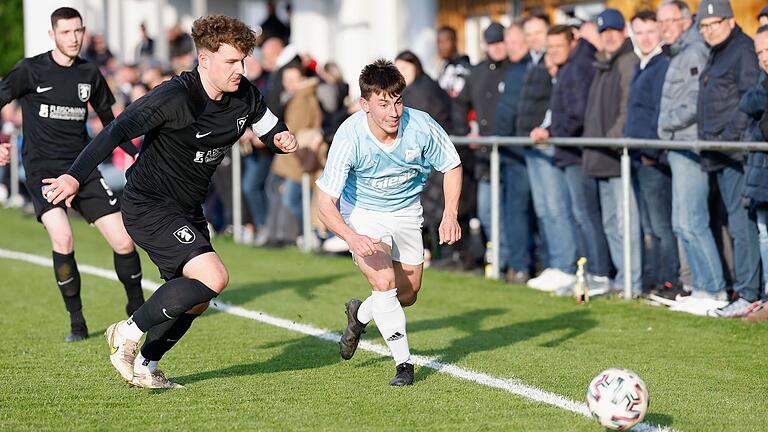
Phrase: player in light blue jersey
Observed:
(376, 169)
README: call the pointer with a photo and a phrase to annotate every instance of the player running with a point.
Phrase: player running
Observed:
(54, 89)
(378, 163)
(189, 122)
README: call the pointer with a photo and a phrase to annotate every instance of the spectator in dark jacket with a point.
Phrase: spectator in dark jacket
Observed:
(549, 189)
(756, 183)
(690, 185)
(456, 66)
(654, 178)
(516, 190)
(606, 116)
(424, 94)
(481, 93)
(731, 71)
(568, 103)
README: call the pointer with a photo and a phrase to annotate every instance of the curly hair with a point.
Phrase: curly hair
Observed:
(381, 77)
(210, 32)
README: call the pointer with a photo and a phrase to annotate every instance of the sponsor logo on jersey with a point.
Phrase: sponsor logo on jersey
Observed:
(201, 135)
(396, 180)
(211, 156)
(58, 112)
(83, 91)
(184, 235)
(241, 123)
(411, 154)
(43, 89)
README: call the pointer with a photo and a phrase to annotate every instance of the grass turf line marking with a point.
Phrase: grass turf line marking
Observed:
(514, 386)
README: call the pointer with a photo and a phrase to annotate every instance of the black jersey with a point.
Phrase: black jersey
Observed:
(186, 135)
(54, 103)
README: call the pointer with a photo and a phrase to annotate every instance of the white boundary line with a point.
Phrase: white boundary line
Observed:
(513, 386)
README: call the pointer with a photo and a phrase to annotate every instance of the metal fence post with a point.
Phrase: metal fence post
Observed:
(237, 195)
(626, 180)
(495, 207)
(306, 212)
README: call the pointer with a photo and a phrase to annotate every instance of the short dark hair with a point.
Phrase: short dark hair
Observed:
(64, 13)
(539, 16)
(682, 6)
(448, 29)
(210, 32)
(562, 29)
(410, 57)
(381, 77)
(644, 15)
(762, 29)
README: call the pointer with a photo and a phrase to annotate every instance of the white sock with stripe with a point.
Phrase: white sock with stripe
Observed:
(390, 319)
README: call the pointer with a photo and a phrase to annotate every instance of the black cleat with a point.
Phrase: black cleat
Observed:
(403, 376)
(79, 333)
(351, 336)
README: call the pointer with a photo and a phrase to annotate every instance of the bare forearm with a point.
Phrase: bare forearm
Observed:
(452, 190)
(330, 217)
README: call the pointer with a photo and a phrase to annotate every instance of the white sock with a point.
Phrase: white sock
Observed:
(130, 330)
(390, 319)
(143, 366)
(364, 313)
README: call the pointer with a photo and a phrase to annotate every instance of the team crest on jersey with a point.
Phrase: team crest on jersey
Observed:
(241, 123)
(184, 235)
(83, 91)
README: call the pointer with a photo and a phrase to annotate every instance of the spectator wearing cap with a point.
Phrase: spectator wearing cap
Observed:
(678, 121)
(606, 117)
(654, 178)
(549, 190)
(516, 190)
(762, 17)
(482, 93)
(756, 183)
(567, 106)
(730, 72)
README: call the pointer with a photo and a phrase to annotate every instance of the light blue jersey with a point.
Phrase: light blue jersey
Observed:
(375, 176)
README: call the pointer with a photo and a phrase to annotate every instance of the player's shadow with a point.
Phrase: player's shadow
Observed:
(303, 287)
(305, 352)
(561, 327)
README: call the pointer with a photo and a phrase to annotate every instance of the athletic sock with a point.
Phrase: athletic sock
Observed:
(130, 330)
(162, 337)
(390, 319)
(170, 301)
(143, 365)
(128, 269)
(364, 313)
(68, 280)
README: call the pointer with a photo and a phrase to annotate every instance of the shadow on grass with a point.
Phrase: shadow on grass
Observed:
(306, 352)
(562, 327)
(658, 419)
(303, 287)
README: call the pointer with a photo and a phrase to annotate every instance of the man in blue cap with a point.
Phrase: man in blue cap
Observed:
(606, 116)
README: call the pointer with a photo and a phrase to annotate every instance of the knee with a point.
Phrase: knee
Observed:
(199, 309)
(123, 245)
(382, 283)
(62, 243)
(407, 299)
(216, 280)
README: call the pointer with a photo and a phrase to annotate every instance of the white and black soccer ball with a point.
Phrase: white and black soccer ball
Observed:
(617, 398)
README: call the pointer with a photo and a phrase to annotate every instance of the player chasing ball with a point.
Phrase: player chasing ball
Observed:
(189, 122)
(376, 170)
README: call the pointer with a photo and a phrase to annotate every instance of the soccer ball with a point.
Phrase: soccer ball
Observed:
(617, 398)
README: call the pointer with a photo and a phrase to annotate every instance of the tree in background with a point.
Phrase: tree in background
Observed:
(12, 42)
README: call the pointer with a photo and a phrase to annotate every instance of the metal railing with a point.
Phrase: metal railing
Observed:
(496, 142)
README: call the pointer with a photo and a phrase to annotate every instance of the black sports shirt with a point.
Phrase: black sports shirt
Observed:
(186, 135)
(54, 103)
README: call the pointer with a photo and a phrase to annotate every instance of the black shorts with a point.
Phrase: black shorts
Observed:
(94, 199)
(171, 236)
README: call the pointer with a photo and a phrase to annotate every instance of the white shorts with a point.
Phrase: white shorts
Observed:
(401, 229)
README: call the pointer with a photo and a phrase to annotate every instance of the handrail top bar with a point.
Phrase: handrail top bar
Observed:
(617, 143)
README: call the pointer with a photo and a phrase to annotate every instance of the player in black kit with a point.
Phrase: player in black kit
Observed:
(189, 122)
(54, 89)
